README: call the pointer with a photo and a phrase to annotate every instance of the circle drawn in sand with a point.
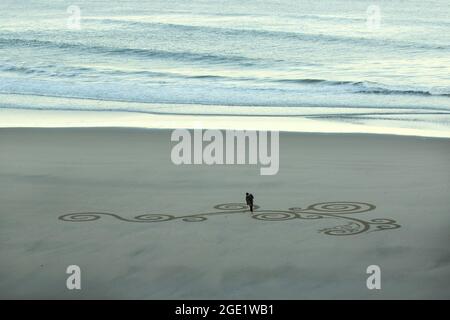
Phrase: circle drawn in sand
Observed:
(275, 216)
(233, 206)
(341, 207)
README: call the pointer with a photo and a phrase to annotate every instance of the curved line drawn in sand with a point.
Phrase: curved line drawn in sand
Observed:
(324, 210)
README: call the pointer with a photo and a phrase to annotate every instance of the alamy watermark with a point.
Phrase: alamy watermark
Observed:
(73, 281)
(373, 20)
(74, 20)
(374, 280)
(214, 147)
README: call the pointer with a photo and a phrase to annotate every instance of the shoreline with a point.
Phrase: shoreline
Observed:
(287, 133)
(15, 118)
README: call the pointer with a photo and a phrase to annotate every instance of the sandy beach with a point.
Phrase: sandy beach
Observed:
(397, 188)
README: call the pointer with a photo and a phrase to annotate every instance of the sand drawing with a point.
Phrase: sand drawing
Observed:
(342, 211)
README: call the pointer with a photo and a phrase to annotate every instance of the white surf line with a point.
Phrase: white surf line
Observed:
(15, 118)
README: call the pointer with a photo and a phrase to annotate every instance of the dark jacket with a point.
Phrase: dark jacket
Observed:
(249, 199)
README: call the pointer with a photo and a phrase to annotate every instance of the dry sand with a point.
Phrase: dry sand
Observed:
(46, 173)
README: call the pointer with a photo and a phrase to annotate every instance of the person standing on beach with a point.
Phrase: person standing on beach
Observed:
(249, 199)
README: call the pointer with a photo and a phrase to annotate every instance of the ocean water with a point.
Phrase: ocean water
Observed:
(368, 62)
